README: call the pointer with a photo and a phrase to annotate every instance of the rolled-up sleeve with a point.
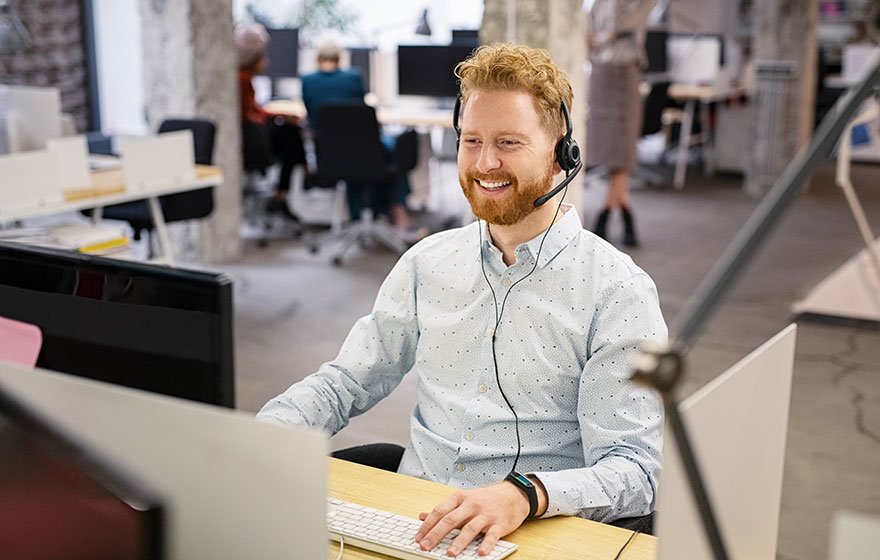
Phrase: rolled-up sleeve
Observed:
(375, 356)
(621, 423)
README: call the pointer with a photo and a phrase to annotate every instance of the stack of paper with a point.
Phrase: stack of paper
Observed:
(85, 238)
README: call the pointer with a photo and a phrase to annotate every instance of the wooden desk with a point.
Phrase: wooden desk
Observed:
(559, 538)
(286, 107)
(108, 188)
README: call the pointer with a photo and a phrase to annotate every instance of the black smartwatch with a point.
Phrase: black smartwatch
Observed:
(524, 484)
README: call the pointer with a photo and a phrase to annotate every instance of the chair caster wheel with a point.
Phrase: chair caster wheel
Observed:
(337, 261)
(313, 250)
(263, 243)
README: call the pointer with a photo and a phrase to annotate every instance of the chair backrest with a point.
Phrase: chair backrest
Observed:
(406, 152)
(347, 145)
(256, 149)
(198, 203)
(203, 136)
(655, 102)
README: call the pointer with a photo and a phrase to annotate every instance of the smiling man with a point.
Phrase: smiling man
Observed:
(521, 328)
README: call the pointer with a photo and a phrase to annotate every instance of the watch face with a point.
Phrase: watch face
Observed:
(520, 479)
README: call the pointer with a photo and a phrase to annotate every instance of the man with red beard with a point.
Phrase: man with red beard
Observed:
(521, 328)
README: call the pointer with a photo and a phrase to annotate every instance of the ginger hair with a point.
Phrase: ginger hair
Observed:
(503, 66)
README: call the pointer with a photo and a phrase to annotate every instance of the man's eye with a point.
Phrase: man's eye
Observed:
(508, 142)
(471, 141)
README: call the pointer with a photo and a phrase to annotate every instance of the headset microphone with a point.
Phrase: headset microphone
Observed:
(568, 154)
(568, 179)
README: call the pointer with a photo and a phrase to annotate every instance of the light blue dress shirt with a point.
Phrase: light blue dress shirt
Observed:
(564, 347)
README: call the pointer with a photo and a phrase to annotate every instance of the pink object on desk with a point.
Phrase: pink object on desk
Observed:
(19, 342)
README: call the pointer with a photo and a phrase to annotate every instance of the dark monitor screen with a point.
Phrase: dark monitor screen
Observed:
(359, 57)
(655, 47)
(283, 53)
(60, 501)
(469, 37)
(429, 69)
(155, 328)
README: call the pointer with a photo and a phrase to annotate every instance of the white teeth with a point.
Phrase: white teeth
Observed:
(493, 186)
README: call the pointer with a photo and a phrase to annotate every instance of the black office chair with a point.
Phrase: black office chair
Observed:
(257, 158)
(348, 148)
(176, 207)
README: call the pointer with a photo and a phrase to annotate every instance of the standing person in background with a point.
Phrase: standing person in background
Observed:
(617, 54)
(283, 131)
(330, 84)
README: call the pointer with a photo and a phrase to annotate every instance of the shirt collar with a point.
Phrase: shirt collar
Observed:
(561, 233)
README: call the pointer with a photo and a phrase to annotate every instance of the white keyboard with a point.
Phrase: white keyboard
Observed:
(391, 534)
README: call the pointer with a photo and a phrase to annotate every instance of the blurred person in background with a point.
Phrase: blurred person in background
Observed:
(616, 38)
(283, 131)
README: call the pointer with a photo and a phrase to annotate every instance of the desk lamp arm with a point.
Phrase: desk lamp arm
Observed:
(661, 368)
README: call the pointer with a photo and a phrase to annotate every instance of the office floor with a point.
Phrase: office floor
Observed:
(293, 310)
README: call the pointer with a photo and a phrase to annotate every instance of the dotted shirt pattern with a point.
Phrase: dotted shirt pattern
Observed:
(565, 344)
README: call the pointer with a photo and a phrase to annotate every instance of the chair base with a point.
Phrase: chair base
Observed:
(363, 232)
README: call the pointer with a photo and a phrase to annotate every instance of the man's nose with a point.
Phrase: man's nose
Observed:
(488, 160)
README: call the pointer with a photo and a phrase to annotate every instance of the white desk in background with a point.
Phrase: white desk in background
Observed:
(385, 114)
(414, 116)
(690, 95)
(108, 188)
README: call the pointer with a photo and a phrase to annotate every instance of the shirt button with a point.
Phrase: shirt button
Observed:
(460, 467)
(483, 388)
(491, 332)
(469, 436)
(506, 282)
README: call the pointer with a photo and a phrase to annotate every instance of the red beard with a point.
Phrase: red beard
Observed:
(507, 208)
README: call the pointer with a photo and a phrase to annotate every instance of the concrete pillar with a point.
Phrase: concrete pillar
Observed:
(190, 71)
(560, 27)
(784, 51)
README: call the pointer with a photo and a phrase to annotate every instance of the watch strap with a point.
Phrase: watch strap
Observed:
(526, 485)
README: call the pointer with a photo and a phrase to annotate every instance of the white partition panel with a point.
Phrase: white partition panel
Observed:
(161, 160)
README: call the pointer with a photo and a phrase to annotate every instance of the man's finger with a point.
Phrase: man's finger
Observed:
(456, 518)
(490, 539)
(470, 530)
(436, 514)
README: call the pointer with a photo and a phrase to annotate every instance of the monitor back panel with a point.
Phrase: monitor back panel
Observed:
(737, 424)
(232, 487)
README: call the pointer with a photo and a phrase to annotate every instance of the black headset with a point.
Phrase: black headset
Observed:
(568, 153)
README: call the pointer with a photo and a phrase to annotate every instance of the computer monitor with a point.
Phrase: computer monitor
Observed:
(156, 328)
(30, 116)
(467, 37)
(429, 69)
(232, 487)
(737, 425)
(694, 59)
(283, 53)
(60, 500)
(655, 48)
(359, 57)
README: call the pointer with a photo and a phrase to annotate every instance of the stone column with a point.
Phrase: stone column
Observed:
(560, 27)
(190, 71)
(784, 37)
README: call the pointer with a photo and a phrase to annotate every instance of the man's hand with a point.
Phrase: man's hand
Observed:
(495, 511)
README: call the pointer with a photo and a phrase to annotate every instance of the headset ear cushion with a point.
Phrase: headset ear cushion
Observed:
(568, 154)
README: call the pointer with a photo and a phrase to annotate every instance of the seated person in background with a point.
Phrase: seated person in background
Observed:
(521, 328)
(283, 130)
(331, 84)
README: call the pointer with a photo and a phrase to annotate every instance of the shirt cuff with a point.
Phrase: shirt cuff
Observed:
(570, 493)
